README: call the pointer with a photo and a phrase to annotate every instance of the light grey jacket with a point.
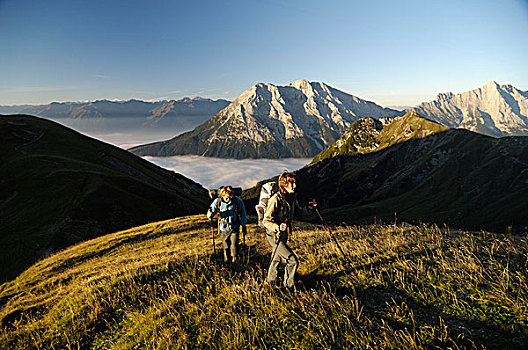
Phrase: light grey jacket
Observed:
(279, 210)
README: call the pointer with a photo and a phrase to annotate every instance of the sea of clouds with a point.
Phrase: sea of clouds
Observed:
(207, 171)
(126, 139)
(214, 172)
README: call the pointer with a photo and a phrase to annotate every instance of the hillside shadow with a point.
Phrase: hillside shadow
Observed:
(448, 177)
(373, 169)
(324, 179)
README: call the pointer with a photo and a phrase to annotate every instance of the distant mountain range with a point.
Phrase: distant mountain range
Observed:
(303, 118)
(107, 115)
(411, 169)
(58, 187)
(494, 110)
(268, 121)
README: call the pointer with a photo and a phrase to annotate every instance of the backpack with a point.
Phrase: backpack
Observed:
(266, 191)
(213, 194)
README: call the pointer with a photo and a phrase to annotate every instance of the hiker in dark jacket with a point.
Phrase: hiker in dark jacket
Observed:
(277, 220)
(232, 214)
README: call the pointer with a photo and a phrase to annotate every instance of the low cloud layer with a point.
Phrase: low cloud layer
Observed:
(215, 172)
(207, 171)
(128, 139)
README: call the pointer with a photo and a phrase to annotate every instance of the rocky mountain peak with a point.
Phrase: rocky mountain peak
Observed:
(444, 96)
(303, 85)
(493, 109)
(270, 121)
(492, 84)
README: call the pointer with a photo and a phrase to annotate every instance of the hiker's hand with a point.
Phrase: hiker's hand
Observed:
(283, 226)
(277, 237)
(312, 204)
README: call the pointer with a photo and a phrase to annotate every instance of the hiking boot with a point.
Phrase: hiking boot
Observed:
(270, 283)
(293, 290)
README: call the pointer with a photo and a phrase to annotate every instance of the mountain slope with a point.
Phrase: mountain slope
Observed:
(268, 121)
(456, 177)
(415, 170)
(494, 110)
(58, 187)
(368, 135)
(158, 287)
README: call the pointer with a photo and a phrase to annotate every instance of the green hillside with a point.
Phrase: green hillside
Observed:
(368, 135)
(157, 287)
(58, 187)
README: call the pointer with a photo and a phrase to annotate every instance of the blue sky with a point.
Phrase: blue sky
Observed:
(389, 52)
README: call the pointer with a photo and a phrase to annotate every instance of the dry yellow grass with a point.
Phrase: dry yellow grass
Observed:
(156, 287)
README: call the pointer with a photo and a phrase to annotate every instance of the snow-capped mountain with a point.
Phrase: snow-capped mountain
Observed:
(268, 121)
(495, 110)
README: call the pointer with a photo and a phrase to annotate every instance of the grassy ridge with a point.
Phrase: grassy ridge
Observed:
(156, 286)
(58, 187)
(368, 135)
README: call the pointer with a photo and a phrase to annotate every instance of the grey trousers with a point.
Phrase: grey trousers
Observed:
(230, 242)
(283, 252)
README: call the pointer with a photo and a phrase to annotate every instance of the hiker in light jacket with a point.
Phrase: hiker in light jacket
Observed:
(232, 214)
(277, 220)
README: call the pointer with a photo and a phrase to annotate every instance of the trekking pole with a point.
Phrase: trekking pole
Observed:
(275, 249)
(244, 232)
(276, 245)
(212, 234)
(330, 232)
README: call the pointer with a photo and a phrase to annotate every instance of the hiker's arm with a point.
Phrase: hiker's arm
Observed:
(270, 219)
(297, 207)
(310, 205)
(213, 209)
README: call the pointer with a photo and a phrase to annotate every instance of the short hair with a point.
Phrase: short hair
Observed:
(286, 178)
(226, 190)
